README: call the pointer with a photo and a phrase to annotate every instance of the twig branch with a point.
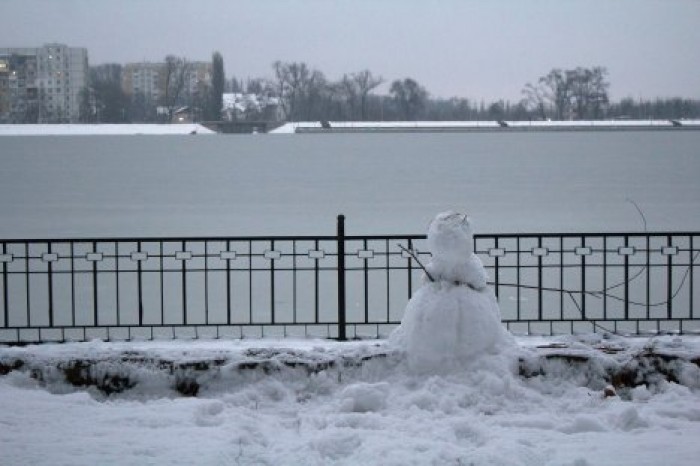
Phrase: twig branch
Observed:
(415, 258)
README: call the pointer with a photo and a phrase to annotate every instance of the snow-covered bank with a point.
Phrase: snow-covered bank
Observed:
(101, 129)
(375, 413)
(398, 126)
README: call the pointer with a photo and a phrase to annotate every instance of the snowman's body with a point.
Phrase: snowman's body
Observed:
(454, 317)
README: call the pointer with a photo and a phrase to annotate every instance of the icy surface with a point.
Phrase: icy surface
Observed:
(381, 414)
(454, 318)
(243, 185)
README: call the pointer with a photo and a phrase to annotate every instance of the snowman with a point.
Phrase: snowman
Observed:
(454, 317)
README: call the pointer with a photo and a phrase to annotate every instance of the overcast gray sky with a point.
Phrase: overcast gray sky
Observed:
(476, 49)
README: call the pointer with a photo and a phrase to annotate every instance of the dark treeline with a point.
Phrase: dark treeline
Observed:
(297, 92)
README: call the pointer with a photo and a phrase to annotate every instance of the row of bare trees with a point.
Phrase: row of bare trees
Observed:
(305, 93)
(298, 92)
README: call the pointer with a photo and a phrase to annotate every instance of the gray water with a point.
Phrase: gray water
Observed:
(88, 186)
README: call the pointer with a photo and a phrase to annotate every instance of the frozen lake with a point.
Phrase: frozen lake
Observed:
(81, 186)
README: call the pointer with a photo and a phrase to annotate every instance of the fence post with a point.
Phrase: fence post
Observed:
(341, 278)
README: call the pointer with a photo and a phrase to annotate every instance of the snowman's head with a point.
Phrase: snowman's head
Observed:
(450, 236)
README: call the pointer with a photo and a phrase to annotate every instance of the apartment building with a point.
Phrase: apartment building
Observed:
(150, 79)
(145, 78)
(42, 84)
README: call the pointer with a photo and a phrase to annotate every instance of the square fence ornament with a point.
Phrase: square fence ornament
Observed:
(626, 251)
(272, 255)
(49, 257)
(316, 254)
(669, 250)
(183, 255)
(497, 252)
(227, 255)
(365, 254)
(138, 256)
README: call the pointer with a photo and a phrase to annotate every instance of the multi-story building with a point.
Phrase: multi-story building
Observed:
(198, 77)
(144, 78)
(42, 84)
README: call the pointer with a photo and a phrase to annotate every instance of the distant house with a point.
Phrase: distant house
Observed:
(239, 106)
(182, 115)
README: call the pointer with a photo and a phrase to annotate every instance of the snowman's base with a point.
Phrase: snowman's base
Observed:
(447, 325)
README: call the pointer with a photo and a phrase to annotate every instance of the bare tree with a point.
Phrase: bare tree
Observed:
(176, 70)
(535, 100)
(556, 88)
(365, 83)
(348, 89)
(588, 88)
(300, 89)
(409, 96)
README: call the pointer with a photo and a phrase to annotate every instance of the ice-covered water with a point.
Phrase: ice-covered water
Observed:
(384, 183)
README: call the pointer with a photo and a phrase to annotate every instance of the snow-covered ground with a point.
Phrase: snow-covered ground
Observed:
(292, 127)
(101, 129)
(377, 413)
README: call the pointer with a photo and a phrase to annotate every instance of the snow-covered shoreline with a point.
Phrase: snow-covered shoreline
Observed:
(102, 129)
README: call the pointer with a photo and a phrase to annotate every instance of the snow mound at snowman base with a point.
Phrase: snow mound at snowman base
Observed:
(447, 326)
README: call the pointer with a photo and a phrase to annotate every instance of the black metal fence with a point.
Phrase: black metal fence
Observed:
(334, 286)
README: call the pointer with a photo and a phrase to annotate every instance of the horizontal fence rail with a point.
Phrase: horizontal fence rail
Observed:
(334, 286)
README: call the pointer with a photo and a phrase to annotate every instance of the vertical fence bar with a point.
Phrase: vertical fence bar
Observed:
(627, 281)
(583, 280)
(272, 281)
(561, 278)
(316, 291)
(5, 294)
(94, 285)
(410, 271)
(184, 285)
(496, 270)
(539, 280)
(140, 282)
(517, 279)
(72, 282)
(669, 279)
(116, 274)
(206, 282)
(250, 282)
(162, 285)
(26, 263)
(228, 282)
(366, 282)
(341, 277)
(648, 277)
(294, 282)
(50, 280)
(605, 277)
(388, 281)
(691, 264)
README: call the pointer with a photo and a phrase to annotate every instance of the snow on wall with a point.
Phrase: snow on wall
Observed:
(289, 128)
(101, 129)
